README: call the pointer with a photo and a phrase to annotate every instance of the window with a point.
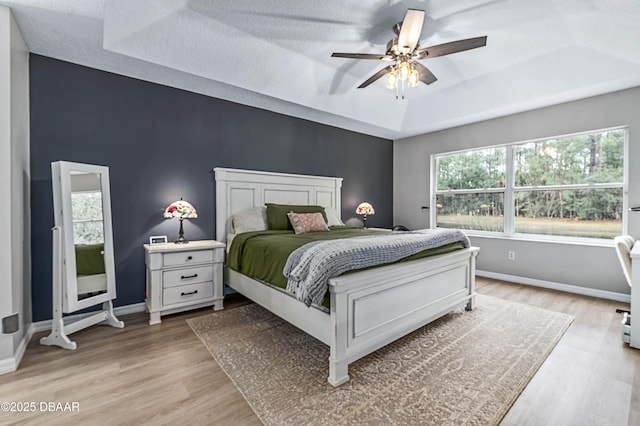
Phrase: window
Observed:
(87, 217)
(569, 186)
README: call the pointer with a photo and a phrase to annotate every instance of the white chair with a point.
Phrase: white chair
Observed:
(623, 244)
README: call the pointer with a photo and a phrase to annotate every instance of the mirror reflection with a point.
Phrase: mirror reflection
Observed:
(88, 234)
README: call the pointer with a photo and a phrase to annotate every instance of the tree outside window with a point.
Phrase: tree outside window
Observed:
(87, 217)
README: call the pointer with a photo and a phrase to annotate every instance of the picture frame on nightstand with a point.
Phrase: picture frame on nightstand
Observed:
(158, 239)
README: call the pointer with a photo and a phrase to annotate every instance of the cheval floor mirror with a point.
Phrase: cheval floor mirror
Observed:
(83, 260)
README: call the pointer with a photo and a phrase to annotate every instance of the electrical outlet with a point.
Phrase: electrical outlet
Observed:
(512, 255)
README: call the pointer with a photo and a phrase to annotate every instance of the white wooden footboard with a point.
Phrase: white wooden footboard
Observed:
(372, 308)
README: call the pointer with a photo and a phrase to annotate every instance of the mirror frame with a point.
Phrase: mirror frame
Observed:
(61, 182)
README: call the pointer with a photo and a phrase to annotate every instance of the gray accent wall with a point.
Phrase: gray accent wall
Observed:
(589, 266)
(161, 144)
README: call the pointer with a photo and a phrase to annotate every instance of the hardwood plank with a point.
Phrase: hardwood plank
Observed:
(589, 377)
(162, 374)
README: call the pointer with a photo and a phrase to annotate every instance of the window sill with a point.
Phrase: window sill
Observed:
(589, 242)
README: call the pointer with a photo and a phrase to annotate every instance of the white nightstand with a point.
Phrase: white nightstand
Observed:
(183, 276)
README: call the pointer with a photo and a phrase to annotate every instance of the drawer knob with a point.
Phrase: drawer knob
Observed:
(184, 277)
(189, 293)
(190, 258)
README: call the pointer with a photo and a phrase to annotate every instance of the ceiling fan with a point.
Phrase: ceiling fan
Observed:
(403, 52)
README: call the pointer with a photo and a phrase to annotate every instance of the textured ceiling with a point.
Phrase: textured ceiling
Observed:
(276, 54)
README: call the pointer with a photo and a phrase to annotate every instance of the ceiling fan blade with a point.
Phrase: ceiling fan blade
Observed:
(451, 47)
(362, 56)
(426, 76)
(411, 29)
(376, 76)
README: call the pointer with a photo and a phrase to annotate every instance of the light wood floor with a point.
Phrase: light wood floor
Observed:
(164, 375)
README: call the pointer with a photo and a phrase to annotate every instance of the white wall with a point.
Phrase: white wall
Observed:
(587, 266)
(6, 286)
(15, 257)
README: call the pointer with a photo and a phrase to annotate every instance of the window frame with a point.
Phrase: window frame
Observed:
(510, 189)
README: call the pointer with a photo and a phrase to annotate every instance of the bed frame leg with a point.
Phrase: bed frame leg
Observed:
(338, 360)
(471, 305)
(338, 372)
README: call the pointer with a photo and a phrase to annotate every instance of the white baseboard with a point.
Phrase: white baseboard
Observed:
(11, 364)
(8, 365)
(602, 294)
(119, 310)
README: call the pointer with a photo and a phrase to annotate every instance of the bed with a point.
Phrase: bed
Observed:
(90, 269)
(368, 309)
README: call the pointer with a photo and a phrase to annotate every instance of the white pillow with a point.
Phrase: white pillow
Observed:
(333, 217)
(254, 219)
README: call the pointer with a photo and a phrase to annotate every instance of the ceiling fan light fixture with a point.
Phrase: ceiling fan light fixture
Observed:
(404, 54)
(414, 77)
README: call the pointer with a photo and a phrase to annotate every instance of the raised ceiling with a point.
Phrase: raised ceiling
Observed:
(276, 54)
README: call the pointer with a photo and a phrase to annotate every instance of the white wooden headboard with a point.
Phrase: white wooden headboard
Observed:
(238, 190)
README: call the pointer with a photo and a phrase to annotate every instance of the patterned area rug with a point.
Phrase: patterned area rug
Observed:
(465, 368)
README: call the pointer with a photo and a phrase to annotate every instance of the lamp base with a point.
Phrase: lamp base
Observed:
(181, 239)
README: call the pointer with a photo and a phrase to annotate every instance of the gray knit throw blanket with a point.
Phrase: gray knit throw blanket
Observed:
(309, 268)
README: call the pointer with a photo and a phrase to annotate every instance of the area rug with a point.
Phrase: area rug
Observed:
(465, 368)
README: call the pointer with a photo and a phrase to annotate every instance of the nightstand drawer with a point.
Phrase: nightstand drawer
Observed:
(186, 276)
(184, 258)
(187, 293)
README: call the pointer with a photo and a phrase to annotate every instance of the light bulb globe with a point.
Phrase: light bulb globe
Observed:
(391, 80)
(404, 70)
(414, 77)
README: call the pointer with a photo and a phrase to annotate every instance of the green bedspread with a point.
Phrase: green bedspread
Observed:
(89, 259)
(262, 255)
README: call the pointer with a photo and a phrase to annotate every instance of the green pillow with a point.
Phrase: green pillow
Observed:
(277, 218)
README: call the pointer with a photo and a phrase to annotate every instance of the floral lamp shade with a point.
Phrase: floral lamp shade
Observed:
(365, 209)
(182, 210)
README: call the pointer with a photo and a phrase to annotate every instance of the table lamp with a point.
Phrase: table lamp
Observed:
(365, 209)
(182, 210)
